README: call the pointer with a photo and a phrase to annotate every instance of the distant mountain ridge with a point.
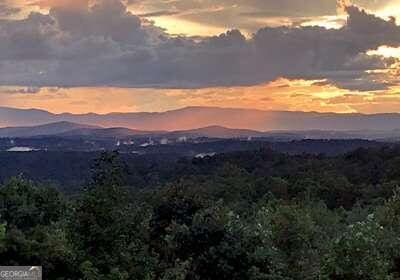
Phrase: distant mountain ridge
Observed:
(68, 129)
(112, 132)
(217, 132)
(73, 130)
(46, 129)
(191, 118)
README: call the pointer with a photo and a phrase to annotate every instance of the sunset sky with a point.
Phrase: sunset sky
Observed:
(155, 55)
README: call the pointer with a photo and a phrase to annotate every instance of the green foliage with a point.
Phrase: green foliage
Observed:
(360, 253)
(108, 230)
(24, 205)
(34, 229)
(254, 215)
(2, 236)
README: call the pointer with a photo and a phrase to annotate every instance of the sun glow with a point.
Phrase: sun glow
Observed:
(329, 22)
(386, 51)
(281, 94)
(177, 26)
(392, 9)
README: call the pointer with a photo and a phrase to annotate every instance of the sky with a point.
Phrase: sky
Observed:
(106, 56)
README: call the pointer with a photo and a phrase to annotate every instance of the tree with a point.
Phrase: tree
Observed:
(105, 224)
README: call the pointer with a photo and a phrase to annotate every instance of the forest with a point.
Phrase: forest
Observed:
(69, 169)
(257, 215)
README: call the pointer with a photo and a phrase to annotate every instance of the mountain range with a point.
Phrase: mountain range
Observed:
(58, 128)
(197, 117)
(66, 129)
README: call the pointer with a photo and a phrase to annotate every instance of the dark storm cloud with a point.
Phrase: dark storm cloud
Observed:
(108, 46)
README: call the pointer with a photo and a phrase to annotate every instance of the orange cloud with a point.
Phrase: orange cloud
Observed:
(281, 94)
(342, 4)
(66, 4)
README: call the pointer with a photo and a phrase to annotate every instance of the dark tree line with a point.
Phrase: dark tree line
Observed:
(247, 215)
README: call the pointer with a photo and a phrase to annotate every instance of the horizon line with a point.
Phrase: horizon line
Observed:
(198, 107)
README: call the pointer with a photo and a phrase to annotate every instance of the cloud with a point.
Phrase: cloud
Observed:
(7, 10)
(64, 4)
(281, 94)
(159, 13)
(106, 45)
(289, 8)
(20, 90)
(249, 15)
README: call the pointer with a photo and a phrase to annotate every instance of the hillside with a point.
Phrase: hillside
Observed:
(46, 129)
(195, 117)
